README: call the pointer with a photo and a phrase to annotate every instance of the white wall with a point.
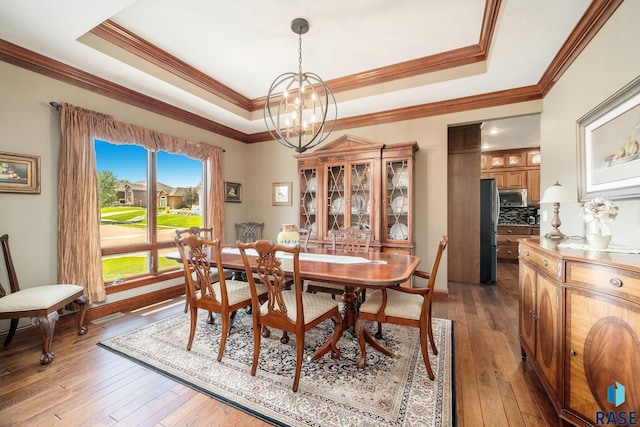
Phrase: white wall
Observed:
(609, 62)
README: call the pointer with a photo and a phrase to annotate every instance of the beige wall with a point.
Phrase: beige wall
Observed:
(608, 63)
(31, 126)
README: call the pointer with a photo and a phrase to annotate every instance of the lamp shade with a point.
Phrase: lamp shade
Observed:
(557, 194)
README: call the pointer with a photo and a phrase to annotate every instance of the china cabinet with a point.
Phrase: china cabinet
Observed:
(355, 182)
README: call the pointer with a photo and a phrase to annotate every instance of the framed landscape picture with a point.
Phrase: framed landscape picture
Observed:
(609, 146)
(232, 192)
(19, 173)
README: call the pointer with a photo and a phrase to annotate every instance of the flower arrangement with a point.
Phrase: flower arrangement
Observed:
(597, 213)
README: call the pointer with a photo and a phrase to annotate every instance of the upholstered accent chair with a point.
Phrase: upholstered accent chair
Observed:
(41, 303)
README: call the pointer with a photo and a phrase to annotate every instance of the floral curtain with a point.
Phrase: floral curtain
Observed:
(79, 254)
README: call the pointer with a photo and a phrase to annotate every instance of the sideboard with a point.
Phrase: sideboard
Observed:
(579, 326)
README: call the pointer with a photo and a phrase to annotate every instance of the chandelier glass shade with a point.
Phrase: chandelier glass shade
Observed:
(298, 104)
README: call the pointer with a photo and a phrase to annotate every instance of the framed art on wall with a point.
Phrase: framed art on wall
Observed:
(608, 145)
(19, 173)
(281, 195)
(232, 192)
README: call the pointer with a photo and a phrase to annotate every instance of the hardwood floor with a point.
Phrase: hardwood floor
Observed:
(87, 385)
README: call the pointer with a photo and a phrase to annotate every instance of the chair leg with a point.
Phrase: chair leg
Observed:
(257, 334)
(226, 328)
(12, 332)
(82, 301)
(378, 334)
(433, 342)
(425, 350)
(359, 328)
(337, 333)
(299, 356)
(47, 325)
(192, 328)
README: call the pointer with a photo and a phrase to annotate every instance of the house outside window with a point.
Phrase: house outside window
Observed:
(144, 197)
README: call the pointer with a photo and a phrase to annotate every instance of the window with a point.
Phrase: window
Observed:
(144, 197)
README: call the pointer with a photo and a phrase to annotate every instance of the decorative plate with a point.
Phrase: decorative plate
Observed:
(361, 225)
(358, 204)
(400, 205)
(312, 206)
(399, 231)
(337, 206)
(314, 229)
(400, 179)
(311, 184)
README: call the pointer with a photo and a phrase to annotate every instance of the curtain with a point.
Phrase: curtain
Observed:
(79, 254)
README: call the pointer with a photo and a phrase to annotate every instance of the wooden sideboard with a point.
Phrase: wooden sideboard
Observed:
(580, 328)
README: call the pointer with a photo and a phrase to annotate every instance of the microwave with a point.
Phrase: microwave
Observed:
(513, 198)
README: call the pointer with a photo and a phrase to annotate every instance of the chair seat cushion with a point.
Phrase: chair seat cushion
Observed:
(38, 297)
(324, 285)
(237, 291)
(314, 306)
(399, 304)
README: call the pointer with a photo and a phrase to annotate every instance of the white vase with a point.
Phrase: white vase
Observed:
(598, 241)
(288, 236)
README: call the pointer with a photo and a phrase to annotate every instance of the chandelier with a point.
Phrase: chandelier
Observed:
(298, 104)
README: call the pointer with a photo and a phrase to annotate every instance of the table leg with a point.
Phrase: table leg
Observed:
(349, 312)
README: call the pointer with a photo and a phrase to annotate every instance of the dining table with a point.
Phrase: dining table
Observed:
(371, 270)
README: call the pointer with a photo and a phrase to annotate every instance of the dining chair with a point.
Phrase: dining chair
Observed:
(405, 307)
(249, 231)
(224, 297)
(291, 310)
(41, 303)
(202, 232)
(351, 239)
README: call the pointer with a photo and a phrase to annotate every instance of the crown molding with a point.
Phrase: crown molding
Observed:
(594, 18)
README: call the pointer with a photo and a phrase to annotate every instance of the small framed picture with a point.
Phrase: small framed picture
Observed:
(281, 195)
(232, 192)
(19, 173)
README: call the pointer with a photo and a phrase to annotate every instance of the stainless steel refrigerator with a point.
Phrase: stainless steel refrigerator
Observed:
(489, 210)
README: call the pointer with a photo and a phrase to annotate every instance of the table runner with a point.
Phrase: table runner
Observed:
(304, 256)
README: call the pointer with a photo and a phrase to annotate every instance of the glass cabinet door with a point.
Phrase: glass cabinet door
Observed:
(397, 186)
(349, 196)
(309, 201)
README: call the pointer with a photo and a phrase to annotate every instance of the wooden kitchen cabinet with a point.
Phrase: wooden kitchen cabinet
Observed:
(508, 241)
(580, 327)
(514, 169)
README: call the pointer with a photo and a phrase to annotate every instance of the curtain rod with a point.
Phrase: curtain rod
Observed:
(57, 106)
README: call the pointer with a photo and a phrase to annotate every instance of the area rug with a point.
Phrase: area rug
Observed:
(392, 392)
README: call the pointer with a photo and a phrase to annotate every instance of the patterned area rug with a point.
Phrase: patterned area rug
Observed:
(393, 392)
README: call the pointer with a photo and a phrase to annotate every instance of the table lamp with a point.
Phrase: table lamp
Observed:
(556, 194)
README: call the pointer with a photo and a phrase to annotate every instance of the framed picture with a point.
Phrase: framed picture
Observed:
(608, 147)
(19, 173)
(232, 192)
(281, 195)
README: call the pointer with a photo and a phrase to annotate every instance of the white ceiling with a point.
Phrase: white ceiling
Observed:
(245, 44)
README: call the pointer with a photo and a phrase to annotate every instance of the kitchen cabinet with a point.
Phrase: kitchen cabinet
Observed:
(580, 327)
(355, 182)
(514, 169)
(508, 240)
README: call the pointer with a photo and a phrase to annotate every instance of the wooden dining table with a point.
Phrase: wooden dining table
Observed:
(371, 270)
